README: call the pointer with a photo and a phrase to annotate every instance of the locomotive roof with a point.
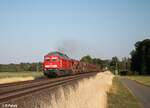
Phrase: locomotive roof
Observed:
(59, 54)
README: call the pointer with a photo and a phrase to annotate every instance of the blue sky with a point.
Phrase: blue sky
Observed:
(101, 28)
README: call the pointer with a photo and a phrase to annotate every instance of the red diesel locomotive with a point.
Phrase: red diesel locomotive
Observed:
(59, 64)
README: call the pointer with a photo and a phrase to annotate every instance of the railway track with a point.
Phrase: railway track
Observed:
(17, 90)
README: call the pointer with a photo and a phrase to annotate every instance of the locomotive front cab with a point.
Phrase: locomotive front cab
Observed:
(51, 65)
(54, 64)
(51, 62)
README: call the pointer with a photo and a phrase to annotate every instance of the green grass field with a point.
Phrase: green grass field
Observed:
(120, 97)
(20, 74)
(141, 79)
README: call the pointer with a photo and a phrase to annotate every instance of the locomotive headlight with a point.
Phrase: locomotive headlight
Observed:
(54, 66)
(47, 66)
(51, 66)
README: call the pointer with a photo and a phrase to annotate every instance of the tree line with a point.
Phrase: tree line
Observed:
(137, 64)
(21, 67)
(88, 59)
(140, 57)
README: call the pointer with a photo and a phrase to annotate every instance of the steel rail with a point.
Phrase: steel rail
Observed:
(22, 85)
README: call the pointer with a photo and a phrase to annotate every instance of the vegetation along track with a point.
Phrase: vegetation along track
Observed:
(15, 90)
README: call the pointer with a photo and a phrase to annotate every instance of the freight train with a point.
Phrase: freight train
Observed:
(58, 64)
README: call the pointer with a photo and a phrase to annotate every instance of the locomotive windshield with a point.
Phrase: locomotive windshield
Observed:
(59, 54)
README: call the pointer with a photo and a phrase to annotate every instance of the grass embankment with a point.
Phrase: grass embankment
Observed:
(20, 74)
(120, 97)
(89, 93)
(8, 77)
(141, 79)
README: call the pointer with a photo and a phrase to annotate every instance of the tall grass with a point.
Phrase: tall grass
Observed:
(20, 74)
(15, 79)
(89, 93)
(8, 77)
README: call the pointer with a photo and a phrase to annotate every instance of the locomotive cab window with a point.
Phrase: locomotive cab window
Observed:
(54, 60)
(47, 59)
